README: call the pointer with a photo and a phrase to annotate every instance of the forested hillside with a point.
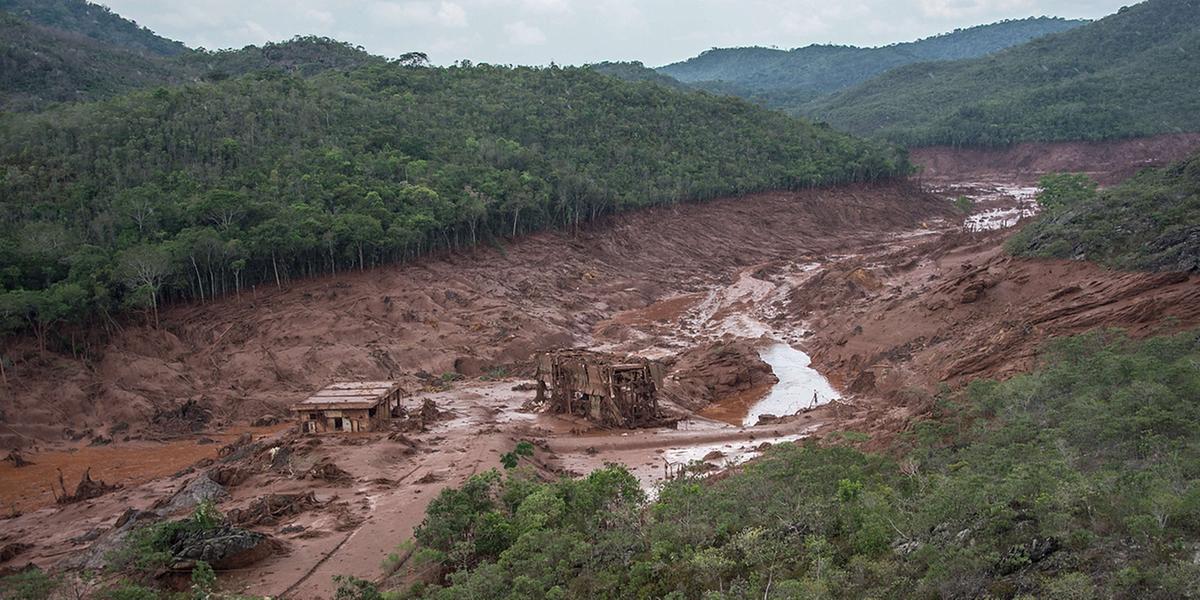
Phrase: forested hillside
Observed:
(160, 194)
(1130, 74)
(73, 51)
(40, 65)
(93, 21)
(787, 79)
(1150, 222)
(1078, 480)
(636, 71)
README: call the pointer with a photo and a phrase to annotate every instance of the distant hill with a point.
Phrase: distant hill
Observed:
(636, 71)
(301, 55)
(72, 51)
(41, 65)
(95, 22)
(1130, 74)
(786, 78)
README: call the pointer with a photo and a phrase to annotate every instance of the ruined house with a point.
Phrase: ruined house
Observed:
(605, 389)
(353, 406)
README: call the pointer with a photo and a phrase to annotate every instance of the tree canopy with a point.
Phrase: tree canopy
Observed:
(787, 79)
(1129, 74)
(1079, 480)
(1149, 222)
(218, 185)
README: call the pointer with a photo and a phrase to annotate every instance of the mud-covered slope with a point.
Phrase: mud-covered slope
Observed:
(957, 308)
(245, 356)
(1106, 162)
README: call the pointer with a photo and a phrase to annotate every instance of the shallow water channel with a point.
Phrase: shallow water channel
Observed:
(800, 386)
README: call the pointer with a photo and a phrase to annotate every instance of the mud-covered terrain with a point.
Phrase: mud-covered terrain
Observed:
(1108, 162)
(887, 289)
(241, 358)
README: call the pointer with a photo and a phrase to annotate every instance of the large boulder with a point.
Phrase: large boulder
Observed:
(717, 371)
(200, 489)
(223, 548)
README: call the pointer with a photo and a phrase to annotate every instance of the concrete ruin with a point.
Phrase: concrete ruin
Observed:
(608, 390)
(353, 406)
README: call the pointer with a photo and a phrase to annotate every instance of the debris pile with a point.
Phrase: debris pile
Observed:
(237, 448)
(418, 420)
(17, 459)
(328, 471)
(87, 489)
(606, 389)
(268, 510)
(190, 416)
(224, 548)
(200, 489)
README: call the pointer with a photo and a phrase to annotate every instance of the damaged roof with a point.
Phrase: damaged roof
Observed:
(354, 394)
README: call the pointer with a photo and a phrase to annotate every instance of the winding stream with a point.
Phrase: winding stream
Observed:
(798, 385)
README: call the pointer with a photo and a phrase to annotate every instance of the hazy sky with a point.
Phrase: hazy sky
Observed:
(655, 32)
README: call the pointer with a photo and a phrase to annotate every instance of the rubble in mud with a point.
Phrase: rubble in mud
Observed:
(270, 509)
(224, 548)
(86, 489)
(197, 490)
(188, 417)
(17, 459)
(418, 420)
(328, 471)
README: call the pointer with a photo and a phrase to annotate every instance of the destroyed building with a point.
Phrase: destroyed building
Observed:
(352, 406)
(605, 389)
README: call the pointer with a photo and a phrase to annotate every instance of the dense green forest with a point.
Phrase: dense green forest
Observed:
(160, 195)
(636, 71)
(94, 21)
(1079, 480)
(134, 171)
(1149, 222)
(72, 51)
(1130, 74)
(788, 78)
(40, 65)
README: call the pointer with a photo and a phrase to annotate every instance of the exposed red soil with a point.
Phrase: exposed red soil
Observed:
(242, 358)
(877, 283)
(958, 308)
(729, 371)
(1108, 162)
(962, 308)
(128, 464)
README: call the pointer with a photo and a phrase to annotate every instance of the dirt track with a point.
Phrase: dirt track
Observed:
(878, 283)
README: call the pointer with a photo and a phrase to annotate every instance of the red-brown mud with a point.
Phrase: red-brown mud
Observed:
(880, 285)
(1108, 162)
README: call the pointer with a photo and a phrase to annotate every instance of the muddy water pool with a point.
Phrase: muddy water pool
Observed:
(800, 386)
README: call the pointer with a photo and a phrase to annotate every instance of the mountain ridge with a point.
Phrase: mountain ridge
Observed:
(784, 78)
(1130, 74)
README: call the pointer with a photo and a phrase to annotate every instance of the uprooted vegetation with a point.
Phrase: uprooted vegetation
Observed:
(1077, 480)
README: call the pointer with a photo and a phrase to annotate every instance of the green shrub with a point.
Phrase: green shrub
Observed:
(131, 591)
(1089, 459)
(34, 584)
(353, 588)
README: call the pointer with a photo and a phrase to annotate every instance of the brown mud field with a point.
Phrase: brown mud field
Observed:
(885, 288)
(1107, 162)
